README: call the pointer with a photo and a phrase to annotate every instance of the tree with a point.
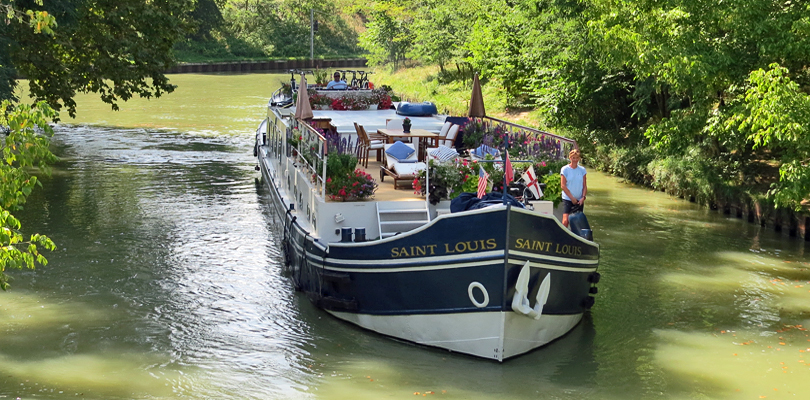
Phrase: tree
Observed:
(26, 145)
(113, 47)
(440, 29)
(388, 35)
(775, 114)
(117, 48)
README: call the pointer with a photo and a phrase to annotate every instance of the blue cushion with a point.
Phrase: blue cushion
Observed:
(483, 150)
(400, 151)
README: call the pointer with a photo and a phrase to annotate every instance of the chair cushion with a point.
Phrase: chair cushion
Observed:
(483, 150)
(400, 151)
(445, 128)
(408, 169)
(443, 153)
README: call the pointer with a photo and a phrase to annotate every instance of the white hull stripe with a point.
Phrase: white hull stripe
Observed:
(480, 255)
(445, 266)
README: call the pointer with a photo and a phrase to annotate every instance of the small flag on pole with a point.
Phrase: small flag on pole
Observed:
(531, 182)
(483, 176)
(509, 173)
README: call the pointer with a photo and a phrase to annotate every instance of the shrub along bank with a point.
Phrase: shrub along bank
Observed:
(733, 183)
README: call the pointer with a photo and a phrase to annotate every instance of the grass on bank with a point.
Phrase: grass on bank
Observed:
(426, 83)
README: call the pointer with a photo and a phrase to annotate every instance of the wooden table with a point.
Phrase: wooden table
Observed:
(393, 134)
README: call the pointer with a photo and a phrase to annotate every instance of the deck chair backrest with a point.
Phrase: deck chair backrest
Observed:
(362, 137)
(445, 129)
(366, 138)
(450, 139)
(395, 123)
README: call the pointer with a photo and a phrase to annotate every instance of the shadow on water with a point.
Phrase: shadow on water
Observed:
(160, 286)
(680, 286)
(352, 360)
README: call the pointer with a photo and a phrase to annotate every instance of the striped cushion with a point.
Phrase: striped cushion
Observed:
(443, 153)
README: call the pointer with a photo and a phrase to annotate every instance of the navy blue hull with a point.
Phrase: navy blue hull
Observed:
(431, 271)
(494, 282)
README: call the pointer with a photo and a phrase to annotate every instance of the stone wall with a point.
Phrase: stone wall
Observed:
(267, 66)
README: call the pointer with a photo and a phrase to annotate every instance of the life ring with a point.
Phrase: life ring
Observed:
(475, 302)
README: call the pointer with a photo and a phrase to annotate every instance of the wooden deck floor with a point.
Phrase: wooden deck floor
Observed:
(386, 191)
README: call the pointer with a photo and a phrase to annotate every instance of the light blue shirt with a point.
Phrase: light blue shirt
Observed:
(573, 180)
(336, 85)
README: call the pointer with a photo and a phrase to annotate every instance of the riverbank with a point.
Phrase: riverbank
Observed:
(637, 163)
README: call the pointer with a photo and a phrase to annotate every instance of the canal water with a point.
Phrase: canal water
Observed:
(166, 284)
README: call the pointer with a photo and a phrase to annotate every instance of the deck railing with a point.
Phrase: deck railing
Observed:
(274, 136)
(558, 146)
(311, 150)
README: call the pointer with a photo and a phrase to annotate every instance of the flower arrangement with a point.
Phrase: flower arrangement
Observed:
(381, 98)
(448, 179)
(319, 100)
(349, 102)
(294, 137)
(357, 185)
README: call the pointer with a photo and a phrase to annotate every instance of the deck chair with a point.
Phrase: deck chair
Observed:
(366, 144)
(401, 169)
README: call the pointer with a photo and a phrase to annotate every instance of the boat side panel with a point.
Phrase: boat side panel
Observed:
(552, 252)
(473, 233)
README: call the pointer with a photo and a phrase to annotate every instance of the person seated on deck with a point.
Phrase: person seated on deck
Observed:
(337, 83)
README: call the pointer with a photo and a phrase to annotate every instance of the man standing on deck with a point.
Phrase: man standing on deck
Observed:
(574, 186)
(337, 83)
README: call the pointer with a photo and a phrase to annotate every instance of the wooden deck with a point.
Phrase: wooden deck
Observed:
(386, 191)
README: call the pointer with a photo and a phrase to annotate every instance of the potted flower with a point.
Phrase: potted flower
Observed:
(380, 99)
(448, 179)
(293, 140)
(406, 125)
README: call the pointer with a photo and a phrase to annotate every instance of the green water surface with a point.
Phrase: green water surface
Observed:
(166, 284)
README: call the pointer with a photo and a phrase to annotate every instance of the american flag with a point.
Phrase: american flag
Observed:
(509, 173)
(483, 176)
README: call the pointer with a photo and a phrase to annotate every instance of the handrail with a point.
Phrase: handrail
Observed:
(536, 131)
(312, 149)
